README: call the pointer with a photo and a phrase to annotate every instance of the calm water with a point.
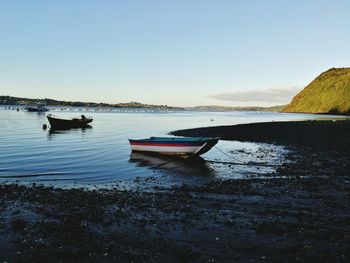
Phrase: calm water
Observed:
(101, 154)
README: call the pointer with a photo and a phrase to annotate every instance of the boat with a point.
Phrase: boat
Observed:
(78, 122)
(190, 146)
(39, 107)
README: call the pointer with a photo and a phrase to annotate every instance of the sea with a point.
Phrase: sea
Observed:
(100, 155)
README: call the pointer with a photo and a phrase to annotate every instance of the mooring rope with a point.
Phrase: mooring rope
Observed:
(230, 156)
(239, 162)
(243, 164)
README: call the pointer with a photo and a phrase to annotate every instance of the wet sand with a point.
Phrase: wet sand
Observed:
(299, 213)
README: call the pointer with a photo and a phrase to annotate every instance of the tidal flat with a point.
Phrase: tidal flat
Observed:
(300, 212)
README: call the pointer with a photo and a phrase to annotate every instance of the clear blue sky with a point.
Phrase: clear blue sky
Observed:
(178, 52)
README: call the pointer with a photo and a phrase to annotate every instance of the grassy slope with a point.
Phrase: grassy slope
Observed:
(328, 93)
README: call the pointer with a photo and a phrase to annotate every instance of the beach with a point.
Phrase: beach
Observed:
(174, 131)
(299, 213)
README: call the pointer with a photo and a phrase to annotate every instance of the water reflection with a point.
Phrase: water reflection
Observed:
(54, 132)
(38, 114)
(102, 154)
(172, 164)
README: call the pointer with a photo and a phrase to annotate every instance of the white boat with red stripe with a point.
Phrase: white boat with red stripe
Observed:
(186, 146)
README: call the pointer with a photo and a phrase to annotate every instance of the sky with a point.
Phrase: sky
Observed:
(174, 52)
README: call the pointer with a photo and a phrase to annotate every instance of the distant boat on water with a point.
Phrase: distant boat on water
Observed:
(174, 146)
(39, 107)
(78, 122)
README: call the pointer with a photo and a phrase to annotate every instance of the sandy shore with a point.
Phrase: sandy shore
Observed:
(299, 213)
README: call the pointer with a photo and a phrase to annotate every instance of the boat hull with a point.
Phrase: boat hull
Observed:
(174, 146)
(67, 124)
(30, 109)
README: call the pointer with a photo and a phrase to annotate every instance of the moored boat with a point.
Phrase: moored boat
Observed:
(174, 146)
(57, 123)
(39, 107)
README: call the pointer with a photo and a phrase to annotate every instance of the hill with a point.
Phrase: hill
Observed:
(328, 93)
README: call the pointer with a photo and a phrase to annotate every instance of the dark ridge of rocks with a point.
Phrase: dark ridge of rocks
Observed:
(326, 135)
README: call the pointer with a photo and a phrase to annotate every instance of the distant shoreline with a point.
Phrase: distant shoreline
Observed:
(24, 102)
(19, 101)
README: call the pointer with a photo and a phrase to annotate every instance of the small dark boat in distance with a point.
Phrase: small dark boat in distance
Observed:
(57, 123)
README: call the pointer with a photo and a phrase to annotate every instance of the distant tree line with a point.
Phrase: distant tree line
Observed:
(8, 100)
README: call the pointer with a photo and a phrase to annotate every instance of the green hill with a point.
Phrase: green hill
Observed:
(328, 93)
